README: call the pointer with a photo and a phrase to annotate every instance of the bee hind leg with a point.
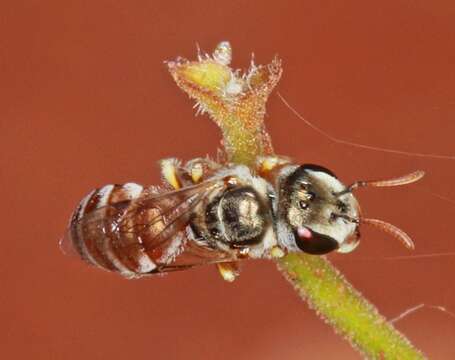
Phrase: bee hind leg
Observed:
(169, 171)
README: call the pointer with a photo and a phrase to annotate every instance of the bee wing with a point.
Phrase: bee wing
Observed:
(143, 234)
(191, 254)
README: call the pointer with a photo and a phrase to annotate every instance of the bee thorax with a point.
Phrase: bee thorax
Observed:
(235, 217)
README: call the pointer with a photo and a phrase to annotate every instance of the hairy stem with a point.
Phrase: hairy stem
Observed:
(237, 105)
(350, 314)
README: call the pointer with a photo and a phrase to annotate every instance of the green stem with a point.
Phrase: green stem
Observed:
(350, 314)
(242, 145)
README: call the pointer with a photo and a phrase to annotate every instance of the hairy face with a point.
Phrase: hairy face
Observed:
(320, 218)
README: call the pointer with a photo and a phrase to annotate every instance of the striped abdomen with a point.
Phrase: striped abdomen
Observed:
(104, 230)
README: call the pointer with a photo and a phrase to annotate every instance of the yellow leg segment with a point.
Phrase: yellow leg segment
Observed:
(228, 270)
(169, 172)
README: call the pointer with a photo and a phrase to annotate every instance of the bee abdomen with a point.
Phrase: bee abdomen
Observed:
(95, 235)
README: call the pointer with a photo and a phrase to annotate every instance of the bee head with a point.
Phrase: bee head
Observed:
(320, 216)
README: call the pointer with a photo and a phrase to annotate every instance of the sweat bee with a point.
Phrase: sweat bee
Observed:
(211, 212)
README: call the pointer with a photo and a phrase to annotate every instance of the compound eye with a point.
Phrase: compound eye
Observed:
(314, 167)
(312, 242)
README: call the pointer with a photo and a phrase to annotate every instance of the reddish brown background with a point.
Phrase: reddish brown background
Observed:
(85, 100)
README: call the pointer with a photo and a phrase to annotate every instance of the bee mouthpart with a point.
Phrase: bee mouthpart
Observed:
(396, 232)
(350, 243)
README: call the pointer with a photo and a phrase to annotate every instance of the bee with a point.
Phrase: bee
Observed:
(210, 212)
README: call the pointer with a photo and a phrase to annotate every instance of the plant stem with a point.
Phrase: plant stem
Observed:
(344, 308)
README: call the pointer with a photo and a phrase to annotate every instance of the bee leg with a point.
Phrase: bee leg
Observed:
(196, 172)
(229, 270)
(199, 169)
(169, 171)
(276, 252)
(265, 164)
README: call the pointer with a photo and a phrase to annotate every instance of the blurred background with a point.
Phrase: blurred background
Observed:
(85, 100)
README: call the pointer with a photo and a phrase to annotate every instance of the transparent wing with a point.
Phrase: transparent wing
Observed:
(154, 223)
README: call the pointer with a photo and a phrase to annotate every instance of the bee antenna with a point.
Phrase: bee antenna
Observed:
(402, 180)
(392, 230)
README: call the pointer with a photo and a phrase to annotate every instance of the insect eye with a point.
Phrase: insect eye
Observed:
(312, 242)
(318, 168)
